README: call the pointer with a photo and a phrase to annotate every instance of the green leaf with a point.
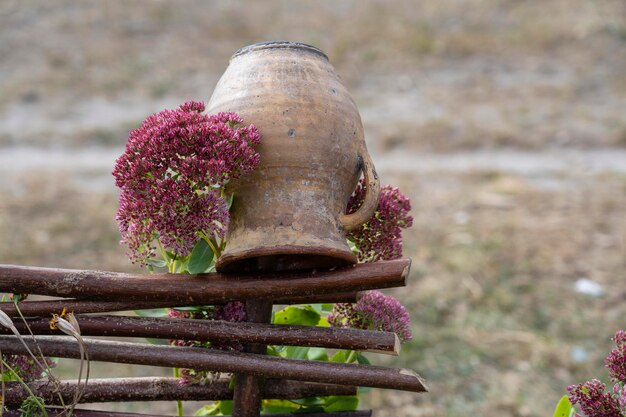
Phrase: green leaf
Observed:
(154, 312)
(230, 200)
(341, 403)
(157, 263)
(208, 410)
(295, 352)
(327, 307)
(154, 341)
(279, 406)
(303, 316)
(200, 258)
(563, 408)
(339, 357)
(317, 354)
(309, 402)
(181, 266)
(362, 360)
(226, 407)
(274, 350)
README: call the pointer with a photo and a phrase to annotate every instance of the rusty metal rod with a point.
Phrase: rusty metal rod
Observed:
(222, 361)
(163, 389)
(221, 331)
(203, 288)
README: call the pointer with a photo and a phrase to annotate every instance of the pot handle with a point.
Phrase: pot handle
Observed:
(372, 192)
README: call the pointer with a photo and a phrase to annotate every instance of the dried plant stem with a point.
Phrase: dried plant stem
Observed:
(228, 332)
(165, 389)
(203, 288)
(45, 366)
(231, 362)
(47, 308)
(93, 413)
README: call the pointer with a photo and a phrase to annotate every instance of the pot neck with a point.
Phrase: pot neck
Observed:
(279, 45)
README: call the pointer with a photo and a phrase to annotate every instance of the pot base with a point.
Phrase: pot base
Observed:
(283, 258)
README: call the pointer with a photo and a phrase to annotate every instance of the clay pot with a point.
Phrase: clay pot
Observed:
(289, 212)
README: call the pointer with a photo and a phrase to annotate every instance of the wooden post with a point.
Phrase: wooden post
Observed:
(247, 397)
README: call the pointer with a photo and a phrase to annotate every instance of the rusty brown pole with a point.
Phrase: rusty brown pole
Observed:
(222, 361)
(204, 288)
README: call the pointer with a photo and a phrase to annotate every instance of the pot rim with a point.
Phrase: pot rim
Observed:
(279, 45)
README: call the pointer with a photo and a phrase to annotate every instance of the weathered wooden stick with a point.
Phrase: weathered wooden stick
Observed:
(46, 308)
(222, 361)
(54, 412)
(248, 389)
(163, 389)
(203, 288)
(221, 331)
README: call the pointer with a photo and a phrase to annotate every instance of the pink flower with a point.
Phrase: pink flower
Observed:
(381, 237)
(375, 311)
(616, 361)
(235, 311)
(593, 401)
(171, 174)
(25, 366)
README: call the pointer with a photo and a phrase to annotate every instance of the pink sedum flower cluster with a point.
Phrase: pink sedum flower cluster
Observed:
(373, 311)
(171, 175)
(234, 311)
(593, 401)
(591, 396)
(616, 361)
(25, 366)
(381, 237)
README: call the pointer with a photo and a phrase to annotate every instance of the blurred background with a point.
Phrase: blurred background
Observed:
(504, 121)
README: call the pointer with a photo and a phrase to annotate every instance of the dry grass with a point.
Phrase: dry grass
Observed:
(496, 315)
(496, 257)
(480, 73)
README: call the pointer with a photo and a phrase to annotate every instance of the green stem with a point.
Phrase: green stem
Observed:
(179, 403)
(165, 257)
(214, 247)
(352, 356)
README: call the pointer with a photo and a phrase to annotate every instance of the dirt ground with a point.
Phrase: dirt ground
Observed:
(503, 121)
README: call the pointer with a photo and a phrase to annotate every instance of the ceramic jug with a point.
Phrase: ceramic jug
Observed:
(288, 214)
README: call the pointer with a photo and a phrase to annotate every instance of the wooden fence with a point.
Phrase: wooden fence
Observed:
(88, 294)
